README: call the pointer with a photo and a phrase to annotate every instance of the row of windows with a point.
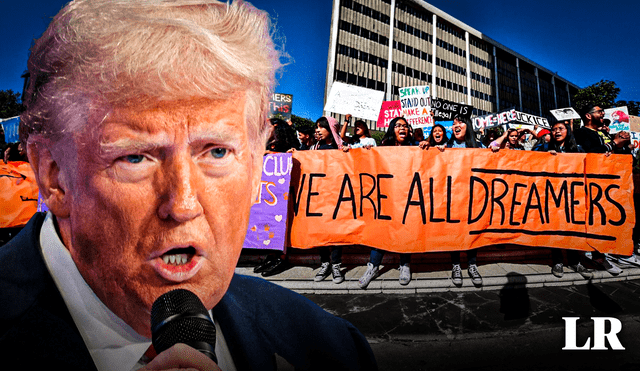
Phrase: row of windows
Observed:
(362, 81)
(483, 96)
(411, 72)
(425, 16)
(452, 48)
(452, 30)
(451, 66)
(478, 44)
(479, 77)
(414, 31)
(507, 73)
(412, 51)
(363, 9)
(363, 32)
(362, 56)
(529, 83)
(451, 85)
(480, 61)
(507, 89)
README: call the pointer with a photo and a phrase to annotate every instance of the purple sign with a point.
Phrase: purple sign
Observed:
(268, 219)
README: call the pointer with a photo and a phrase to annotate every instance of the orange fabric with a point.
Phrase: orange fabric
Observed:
(412, 200)
(18, 194)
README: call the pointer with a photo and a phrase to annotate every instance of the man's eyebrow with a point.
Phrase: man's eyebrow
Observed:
(131, 144)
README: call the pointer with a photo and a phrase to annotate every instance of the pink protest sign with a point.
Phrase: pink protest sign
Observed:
(390, 110)
(268, 218)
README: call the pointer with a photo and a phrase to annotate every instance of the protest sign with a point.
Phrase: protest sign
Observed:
(493, 120)
(635, 139)
(280, 106)
(10, 127)
(565, 114)
(390, 110)
(416, 104)
(444, 110)
(634, 122)
(619, 117)
(268, 218)
(359, 102)
(461, 199)
(512, 117)
(18, 193)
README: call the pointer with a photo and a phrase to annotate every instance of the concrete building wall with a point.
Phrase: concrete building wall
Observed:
(459, 63)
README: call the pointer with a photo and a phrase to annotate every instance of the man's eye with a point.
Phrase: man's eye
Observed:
(134, 159)
(218, 152)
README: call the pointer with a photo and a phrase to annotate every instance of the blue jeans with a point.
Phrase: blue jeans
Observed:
(471, 257)
(377, 255)
(336, 254)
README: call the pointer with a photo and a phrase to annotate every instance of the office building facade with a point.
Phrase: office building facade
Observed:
(426, 46)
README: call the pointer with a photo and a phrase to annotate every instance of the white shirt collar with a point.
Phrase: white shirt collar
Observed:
(112, 343)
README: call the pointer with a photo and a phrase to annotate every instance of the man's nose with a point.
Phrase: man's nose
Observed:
(180, 200)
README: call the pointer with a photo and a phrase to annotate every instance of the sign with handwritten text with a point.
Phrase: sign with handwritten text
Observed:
(359, 102)
(416, 104)
(268, 219)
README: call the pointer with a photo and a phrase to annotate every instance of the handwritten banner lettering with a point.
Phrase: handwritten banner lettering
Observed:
(416, 104)
(280, 106)
(349, 99)
(19, 194)
(390, 110)
(461, 199)
(268, 218)
(444, 110)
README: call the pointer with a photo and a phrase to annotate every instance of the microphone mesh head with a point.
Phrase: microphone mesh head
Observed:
(180, 317)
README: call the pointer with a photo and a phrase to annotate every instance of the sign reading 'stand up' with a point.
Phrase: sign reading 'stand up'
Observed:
(415, 102)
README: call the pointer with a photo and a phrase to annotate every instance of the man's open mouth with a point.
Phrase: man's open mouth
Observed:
(179, 256)
(178, 264)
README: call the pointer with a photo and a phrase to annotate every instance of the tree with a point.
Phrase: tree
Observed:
(10, 105)
(602, 94)
(301, 121)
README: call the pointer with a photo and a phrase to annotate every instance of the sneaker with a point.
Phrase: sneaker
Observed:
(323, 273)
(612, 269)
(557, 270)
(629, 260)
(456, 275)
(337, 275)
(371, 273)
(584, 272)
(476, 279)
(405, 275)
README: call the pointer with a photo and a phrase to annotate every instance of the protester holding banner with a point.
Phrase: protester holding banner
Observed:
(327, 134)
(463, 137)
(361, 136)
(593, 141)
(397, 134)
(511, 135)
(437, 137)
(330, 258)
(562, 141)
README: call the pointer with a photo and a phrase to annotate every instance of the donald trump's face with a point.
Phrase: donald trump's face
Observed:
(158, 199)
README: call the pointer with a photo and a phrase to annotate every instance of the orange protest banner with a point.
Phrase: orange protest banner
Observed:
(410, 200)
(18, 194)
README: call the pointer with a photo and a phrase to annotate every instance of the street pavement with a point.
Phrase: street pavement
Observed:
(513, 322)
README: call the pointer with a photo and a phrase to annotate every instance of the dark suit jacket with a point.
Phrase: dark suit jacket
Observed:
(258, 320)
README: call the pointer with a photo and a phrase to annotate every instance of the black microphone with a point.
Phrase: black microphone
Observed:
(179, 316)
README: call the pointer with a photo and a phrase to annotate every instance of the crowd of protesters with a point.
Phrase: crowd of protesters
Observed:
(593, 137)
(327, 134)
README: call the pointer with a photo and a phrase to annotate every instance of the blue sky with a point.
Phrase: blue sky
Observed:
(583, 41)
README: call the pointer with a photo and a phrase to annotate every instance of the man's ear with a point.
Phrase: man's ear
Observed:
(51, 184)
